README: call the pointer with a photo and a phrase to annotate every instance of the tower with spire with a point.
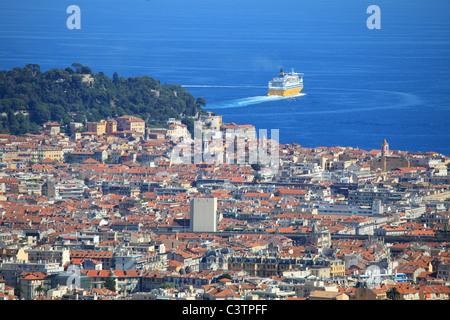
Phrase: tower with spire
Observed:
(385, 149)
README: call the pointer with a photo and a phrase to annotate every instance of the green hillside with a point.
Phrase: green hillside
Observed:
(30, 97)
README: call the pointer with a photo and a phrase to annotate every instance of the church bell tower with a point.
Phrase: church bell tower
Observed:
(384, 149)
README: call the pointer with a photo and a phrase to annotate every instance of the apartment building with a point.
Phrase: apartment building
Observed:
(44, 254)
(262, 266)
(99, 128)
(178, 132)
(203, 215)
(130, 123)
(111, 126)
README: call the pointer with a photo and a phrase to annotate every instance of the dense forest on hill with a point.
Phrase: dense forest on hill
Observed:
(30, 98)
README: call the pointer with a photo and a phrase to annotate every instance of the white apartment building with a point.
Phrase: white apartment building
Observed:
(204, 215)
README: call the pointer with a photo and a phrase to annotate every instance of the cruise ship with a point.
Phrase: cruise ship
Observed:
(287, 84)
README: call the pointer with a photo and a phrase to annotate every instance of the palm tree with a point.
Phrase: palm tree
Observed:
(393, 294)
(39, 290)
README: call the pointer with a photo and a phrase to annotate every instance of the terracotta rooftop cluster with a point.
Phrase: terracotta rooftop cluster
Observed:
(114, 205)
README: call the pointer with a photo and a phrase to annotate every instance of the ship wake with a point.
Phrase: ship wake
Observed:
(242, 102)
(216, 86)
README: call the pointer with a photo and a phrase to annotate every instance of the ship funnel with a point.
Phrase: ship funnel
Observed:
(281, 72)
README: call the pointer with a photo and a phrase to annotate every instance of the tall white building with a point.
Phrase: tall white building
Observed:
(204, 215)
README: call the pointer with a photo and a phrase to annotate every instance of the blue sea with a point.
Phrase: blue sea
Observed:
(361, 85)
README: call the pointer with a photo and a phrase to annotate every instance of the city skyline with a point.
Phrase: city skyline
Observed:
(163, 151)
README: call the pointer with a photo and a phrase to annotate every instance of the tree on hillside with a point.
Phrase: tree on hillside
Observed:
(201, 102)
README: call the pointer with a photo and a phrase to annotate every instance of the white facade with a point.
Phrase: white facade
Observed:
(352, 210)
(178, 132)
(204, 215)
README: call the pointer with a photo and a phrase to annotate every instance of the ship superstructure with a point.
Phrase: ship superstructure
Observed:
(287, 84)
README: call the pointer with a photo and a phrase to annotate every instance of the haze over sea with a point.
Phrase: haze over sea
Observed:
(360, 86)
